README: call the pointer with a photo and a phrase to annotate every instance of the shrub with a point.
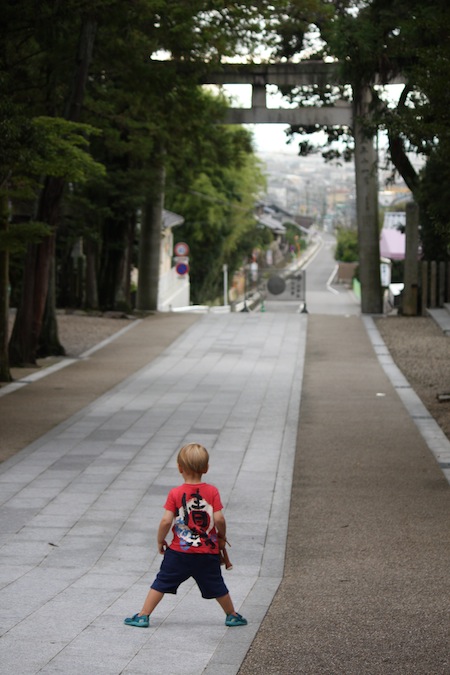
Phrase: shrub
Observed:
(346, 245)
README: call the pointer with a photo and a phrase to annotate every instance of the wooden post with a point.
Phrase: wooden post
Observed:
(441, 295)
(424, 287)
(433, 276)
(447, 293)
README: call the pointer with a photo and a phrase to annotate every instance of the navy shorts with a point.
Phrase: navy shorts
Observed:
(203, 567)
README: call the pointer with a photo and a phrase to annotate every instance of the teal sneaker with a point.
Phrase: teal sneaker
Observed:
(235, 620)
(138, 621)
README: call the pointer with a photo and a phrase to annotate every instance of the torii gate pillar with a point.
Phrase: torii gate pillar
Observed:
(366, 179)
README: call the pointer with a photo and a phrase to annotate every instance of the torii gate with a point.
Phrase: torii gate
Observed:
(342, 113)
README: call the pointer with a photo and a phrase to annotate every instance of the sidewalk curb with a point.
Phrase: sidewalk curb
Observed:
(432, 434)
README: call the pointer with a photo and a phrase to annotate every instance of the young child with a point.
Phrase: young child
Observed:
(194, 512)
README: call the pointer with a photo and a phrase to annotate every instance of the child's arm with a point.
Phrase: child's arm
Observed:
(221, 527)
(163, 530)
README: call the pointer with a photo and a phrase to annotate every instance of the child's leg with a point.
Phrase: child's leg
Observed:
(151, 601)
(233, 618)
(227, 604)
(142, 620)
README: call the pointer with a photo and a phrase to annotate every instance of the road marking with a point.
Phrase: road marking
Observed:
(330, 281)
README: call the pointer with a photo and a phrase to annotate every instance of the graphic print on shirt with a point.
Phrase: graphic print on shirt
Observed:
(194, 522)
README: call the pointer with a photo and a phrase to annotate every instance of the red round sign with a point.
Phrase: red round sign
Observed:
(182, 268)
(181, 249)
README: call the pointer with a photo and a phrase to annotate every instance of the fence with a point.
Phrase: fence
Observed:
(434, 285)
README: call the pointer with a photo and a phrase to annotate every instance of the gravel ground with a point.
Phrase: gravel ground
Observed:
(422, 352)
(79, 332)
(416, 344)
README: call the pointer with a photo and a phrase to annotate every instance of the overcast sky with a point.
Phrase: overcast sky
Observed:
(271, 137)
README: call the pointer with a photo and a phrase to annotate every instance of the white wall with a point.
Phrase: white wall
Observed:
(173, 291)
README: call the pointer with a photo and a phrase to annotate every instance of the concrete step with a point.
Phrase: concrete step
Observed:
(442, 317)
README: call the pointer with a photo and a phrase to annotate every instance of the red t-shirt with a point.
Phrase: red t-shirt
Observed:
(193, 507)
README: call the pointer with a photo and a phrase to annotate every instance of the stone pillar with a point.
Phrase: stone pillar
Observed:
(366, 171)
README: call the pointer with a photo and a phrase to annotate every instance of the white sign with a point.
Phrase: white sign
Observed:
(181, 249)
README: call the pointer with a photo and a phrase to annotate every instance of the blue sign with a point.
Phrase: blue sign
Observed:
(182, 268)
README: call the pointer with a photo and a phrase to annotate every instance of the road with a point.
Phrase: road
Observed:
(322, 297)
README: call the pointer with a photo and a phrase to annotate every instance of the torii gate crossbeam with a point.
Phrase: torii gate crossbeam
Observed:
(283, 74)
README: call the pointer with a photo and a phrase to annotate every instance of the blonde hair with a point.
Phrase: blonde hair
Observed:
(193, 458)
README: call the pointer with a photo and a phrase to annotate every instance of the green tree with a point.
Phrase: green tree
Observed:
(16, 137)
(44, 61)
(434, 208)
(30, 149)
(217, 202)
(62, 157)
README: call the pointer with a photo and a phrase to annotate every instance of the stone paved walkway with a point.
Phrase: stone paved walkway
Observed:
(80, 505)
(331, 471)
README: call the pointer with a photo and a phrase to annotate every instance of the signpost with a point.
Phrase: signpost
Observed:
(182, 268)
(181, 250)
(181, 253)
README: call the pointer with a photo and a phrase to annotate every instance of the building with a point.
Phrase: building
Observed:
(173, 288)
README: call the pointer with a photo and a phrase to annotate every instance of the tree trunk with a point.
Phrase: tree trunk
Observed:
(399, 157)
(120, 298)
(5, 374)
(91, 274)
(150, 243)
(24, 341)
(49, 343)
(411, 267)
(123, 295)
(81, 71)
(52, 346)
(114, 244)
(367, 205)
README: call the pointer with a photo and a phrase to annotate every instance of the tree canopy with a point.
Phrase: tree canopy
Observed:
(378, 41)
